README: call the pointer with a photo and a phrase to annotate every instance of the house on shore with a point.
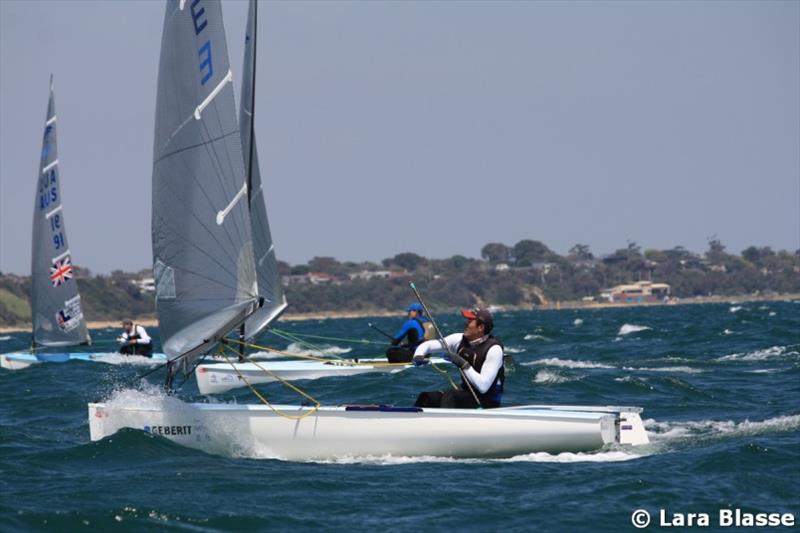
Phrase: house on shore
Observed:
(639, 292)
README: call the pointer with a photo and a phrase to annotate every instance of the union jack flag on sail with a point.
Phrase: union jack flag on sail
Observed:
(61, 271)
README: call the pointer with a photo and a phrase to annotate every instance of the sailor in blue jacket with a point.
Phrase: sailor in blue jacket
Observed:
(412, 332)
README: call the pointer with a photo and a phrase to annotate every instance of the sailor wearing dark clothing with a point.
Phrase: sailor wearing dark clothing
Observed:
(410, 334)
(135, 340)
(479, 355)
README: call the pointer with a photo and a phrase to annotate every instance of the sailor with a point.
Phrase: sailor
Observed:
(478, 354)
(414, 330)
(135, 340)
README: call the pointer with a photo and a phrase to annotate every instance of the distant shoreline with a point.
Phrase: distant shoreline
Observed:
(550, 306)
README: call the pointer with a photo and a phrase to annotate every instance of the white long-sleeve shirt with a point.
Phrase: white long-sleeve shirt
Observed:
(144, 338)
(491, 366)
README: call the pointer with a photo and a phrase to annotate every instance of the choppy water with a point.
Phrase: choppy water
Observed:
(720, 385)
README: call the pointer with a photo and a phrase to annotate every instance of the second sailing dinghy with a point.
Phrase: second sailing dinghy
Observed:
(207, 287)
(220, 377)
(56, 309)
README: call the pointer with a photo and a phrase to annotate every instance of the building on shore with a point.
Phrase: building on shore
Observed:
(639, 292)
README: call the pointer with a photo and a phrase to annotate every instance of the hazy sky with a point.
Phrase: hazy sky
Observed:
(432, 127)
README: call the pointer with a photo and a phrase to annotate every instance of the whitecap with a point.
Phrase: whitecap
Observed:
(631, 328)
(577, 322)
(537, 457)
(115, 358)
(5, 338)
(534, 337)
(683, 369)
(297, 348)
(772, 313)
(665, 431)
(735, 308)
(566, 363)
(727, 332)
(547, 377)
(512, 349)
(758, 355)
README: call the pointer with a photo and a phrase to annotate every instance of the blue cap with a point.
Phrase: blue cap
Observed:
(415, 307)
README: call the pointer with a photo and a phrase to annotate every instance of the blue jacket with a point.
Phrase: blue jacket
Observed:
(413, 329)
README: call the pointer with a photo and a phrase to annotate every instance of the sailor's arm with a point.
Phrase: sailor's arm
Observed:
(434, 346)
(483, 380)
(144, 338)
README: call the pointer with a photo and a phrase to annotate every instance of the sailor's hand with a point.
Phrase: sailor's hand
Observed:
(459, 361)
(133, 341)
(419, 360)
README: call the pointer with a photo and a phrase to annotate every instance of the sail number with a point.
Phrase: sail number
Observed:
(48, 190)
(204, 52)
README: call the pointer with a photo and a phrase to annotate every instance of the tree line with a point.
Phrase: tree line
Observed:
(527, 273)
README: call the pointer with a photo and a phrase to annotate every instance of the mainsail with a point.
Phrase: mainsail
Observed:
(269, 282)
(202, 247)
(55, 302)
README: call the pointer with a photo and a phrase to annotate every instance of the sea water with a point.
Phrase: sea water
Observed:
(720, 392)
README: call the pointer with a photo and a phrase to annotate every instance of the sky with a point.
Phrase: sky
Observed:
(431, 127)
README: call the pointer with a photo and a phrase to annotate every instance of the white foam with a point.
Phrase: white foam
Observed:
(727, 332)
(113, 358)
(539, 457)
(535, 337)
(297, 348)
(684, 369)
(512, 349)
(547, 377)
(566, 363)
(577, 322)
(763, 371)
(758, 355)
(631, 328)
(772, 313)
(735, 308)
(665, 431)
(5, 338)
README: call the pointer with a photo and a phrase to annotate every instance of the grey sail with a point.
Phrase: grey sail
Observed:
(202, 245)
(269, 281)
(55, 302)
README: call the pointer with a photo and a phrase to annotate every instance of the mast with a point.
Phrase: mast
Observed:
(269, 283)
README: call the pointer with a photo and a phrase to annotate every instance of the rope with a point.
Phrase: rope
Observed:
(263, 400)
(362, 341)
(340, 362)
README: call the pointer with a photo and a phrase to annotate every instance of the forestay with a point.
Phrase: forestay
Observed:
(202, 246)
(55, 302)
(269, 282)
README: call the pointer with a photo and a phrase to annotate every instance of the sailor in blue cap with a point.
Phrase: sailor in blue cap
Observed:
(411, 334)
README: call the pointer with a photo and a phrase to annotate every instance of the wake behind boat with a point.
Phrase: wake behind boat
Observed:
(207, 286)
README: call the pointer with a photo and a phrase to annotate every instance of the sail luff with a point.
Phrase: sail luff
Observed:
(269, 282)
(202, 243)
(56, 310)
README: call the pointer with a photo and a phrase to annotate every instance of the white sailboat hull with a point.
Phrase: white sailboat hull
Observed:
(218, 378)
(248, 430)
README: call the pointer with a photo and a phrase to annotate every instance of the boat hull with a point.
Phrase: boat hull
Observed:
(257, 430)
(219, 378)
(20, 360)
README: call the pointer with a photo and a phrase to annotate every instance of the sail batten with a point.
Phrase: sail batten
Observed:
(55, 303)
(204, 267)
(269, 282)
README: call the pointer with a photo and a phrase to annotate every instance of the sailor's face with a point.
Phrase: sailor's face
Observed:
(412, 314)
(472, 329)
(127, 327)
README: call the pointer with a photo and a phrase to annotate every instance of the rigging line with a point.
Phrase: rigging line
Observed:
(306, 344)
(362, 341)
(266, 402)
(334, 362)
(251, 136)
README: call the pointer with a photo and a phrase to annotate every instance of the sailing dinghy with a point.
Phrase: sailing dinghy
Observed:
(214, 378)
(206, 287)
(56, 311)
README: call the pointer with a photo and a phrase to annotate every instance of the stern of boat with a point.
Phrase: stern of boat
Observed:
(631, 428)
(97, 422)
